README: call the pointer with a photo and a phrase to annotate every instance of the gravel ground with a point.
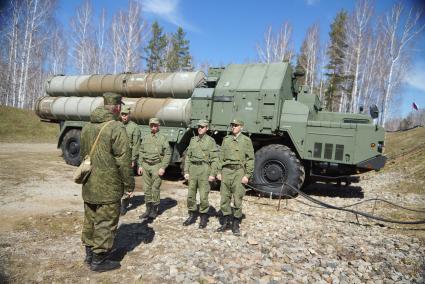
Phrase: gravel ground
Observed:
(296, 244)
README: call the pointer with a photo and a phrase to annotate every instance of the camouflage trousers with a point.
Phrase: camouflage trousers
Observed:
(198, 181)
(100, 225)
(231, 186)
(151, 183)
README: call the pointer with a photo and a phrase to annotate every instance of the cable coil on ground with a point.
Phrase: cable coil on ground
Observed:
(356, 212)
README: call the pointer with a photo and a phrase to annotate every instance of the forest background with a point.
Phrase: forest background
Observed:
(362, 55)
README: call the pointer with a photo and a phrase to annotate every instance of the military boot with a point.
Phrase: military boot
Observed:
(235, 226)
(124, 204)
(89, 256)
(154, 212)
(101, 263)
(204, 221)
(147, 212)
(191, 219)
(226, 224)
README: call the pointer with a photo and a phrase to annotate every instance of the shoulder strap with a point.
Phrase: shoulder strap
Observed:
(97, 138)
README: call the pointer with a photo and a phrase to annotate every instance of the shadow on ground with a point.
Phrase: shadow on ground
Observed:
(130, 236)
(331, 190)
(139, 200)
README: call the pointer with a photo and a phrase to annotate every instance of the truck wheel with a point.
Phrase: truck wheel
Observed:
(71, 147)
(275, 164)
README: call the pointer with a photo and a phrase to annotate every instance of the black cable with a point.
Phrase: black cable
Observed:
(344, 208)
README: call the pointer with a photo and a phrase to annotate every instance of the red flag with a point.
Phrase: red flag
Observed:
(414, 106)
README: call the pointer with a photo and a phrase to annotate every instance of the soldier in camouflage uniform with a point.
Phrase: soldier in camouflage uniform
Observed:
(154, 157)
(235, 167)
(200, 167)
(133, 134)
(110, 178)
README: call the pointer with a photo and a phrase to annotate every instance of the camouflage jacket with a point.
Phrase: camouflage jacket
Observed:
(155, 148)
(133, 134)
(202, 150)
(237, 151)
(111, 175)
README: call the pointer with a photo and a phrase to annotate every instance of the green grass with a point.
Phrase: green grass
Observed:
(23, 126)
(406, 153)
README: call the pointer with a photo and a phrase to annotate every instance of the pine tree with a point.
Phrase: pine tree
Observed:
(336, 59)
(156, 50)
(179, 58)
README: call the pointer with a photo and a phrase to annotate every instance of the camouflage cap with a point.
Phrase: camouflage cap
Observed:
(154, 120)
(112, 99)
(203, 122)
(237, 122)
(125, 110)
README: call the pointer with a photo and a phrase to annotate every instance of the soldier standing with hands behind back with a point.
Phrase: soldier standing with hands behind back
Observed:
(133, 134)
(154, 157)
(200, 168)
(235, 167)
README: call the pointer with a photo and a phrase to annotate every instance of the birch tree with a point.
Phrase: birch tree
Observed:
(100, 62)
(57, 51)
(82, 37)
(357, 27)
(398, 35)
(276, 47)
(128, 32)
(10, 18)
(308, 58)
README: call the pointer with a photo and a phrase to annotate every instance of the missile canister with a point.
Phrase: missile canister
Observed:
(171, 112)
(157, 85)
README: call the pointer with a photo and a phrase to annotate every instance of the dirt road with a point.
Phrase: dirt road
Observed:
(41, 211)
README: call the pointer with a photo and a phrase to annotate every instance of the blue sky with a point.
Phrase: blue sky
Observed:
(223, 32)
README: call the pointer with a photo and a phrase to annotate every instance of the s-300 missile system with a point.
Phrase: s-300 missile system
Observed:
(294, 138)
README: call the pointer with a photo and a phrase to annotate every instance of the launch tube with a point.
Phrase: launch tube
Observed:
(156, 85)
(171, 112)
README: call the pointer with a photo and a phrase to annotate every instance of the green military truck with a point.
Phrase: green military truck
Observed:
(293, 137)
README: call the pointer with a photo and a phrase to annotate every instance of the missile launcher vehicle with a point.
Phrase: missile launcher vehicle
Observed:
(295, 140)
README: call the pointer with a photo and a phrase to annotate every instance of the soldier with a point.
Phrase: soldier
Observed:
(235, 167)
(133, 134)
(154, 157)
(200, 167)
(110, 178)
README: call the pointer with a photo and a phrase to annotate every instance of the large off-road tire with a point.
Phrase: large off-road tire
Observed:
(274, 165)
(71, 147)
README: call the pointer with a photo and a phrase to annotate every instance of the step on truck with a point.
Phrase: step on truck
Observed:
(295, 140)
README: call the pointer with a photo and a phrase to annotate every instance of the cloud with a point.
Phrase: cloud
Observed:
(169, 11)
(416, 77)
(311, 2)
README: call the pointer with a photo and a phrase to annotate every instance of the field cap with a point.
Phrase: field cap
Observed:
(203, 122)
(112, 99)
(237, 122)
(125, 110)
(154, 120)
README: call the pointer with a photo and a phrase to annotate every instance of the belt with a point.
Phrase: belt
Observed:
(232, 167)
(198, 162)
(151, 163)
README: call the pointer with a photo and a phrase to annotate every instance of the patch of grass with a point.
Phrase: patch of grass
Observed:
(406, 153)
(20, 125)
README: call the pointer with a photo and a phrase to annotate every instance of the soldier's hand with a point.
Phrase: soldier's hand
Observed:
(211, 178)
(219, 176)
(186, 176)
(140, 171)
(244, 180)
(130, 194)
(133, 164)
(161, 172)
